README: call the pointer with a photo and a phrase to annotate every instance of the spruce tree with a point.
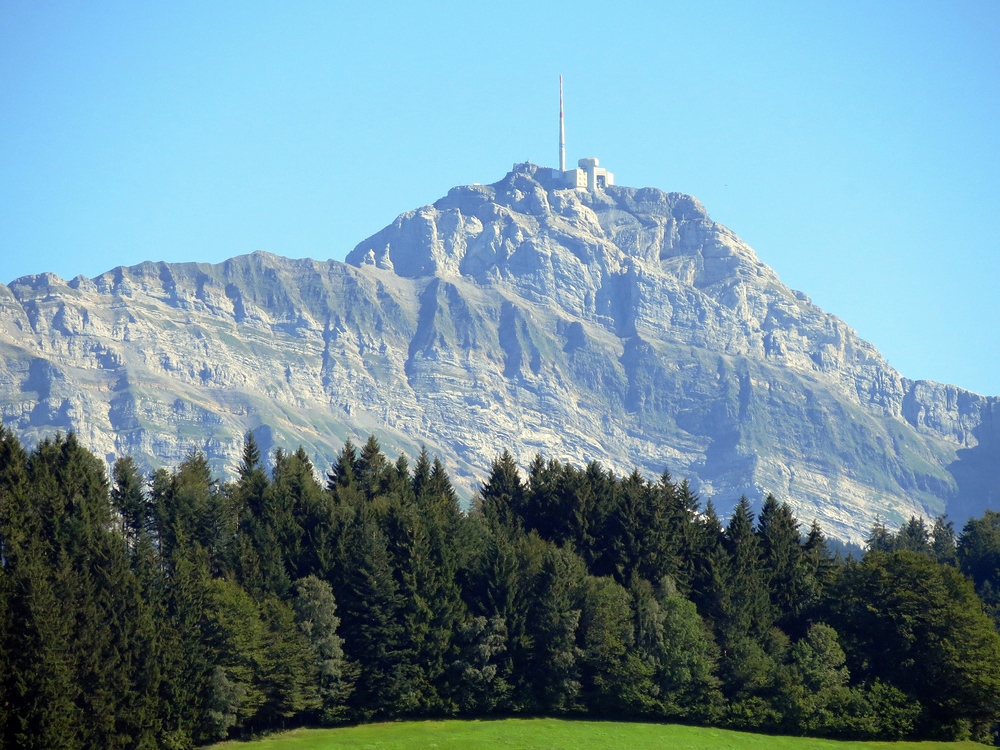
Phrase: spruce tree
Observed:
(504, 590)
(39, 687)
(373, 469)
(313, 544)
(915, 536)
(744, 627)
(316, 617)
(880, 538)
(555, 617)
(501, 498)
(129, 501)
(710, 567)
(374, 637)
(255, 555)
(345, 469)
(786, 572)
(944, 545)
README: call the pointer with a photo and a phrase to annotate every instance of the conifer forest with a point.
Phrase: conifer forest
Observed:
(174, 610)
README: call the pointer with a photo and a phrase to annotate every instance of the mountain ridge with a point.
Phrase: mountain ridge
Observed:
(621, 325)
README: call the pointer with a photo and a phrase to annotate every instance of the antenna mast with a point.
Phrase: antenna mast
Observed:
(562, 131)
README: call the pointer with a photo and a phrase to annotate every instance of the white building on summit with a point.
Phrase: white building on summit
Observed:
(588, 175)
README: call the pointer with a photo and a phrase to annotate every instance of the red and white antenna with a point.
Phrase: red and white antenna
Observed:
(562, 131)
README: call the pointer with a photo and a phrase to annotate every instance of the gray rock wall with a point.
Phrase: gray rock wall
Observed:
(623, 326)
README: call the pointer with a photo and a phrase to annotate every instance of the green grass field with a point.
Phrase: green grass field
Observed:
(551, 734)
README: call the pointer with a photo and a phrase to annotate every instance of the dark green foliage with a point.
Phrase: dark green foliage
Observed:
(979, 558)
(911, 622)
(234, 634)
(881, 539)
(316, 617)
(678, 649)
(789, 575)
(373, 628)
(554, 624)
(503, 588)
(616, 680)
(173, 611)
(944, 544)
(915, 537)
(745, 620)
(502, 496)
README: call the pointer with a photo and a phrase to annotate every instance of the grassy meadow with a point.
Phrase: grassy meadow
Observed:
(551, 734)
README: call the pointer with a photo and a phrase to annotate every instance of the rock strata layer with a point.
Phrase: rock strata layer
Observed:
(621, 325)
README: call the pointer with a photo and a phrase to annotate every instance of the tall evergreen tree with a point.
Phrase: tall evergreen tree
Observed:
(786, 572)
(504, 589)
(501, 498)
(944, 545)
(345, 469)
(372, 621)
(555, 618)
(747, 666)
(880, 538)
(129, 501)
(316, 617)
(915, 536)
(373, 469)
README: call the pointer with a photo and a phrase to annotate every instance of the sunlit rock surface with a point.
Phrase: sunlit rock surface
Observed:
(622, 325)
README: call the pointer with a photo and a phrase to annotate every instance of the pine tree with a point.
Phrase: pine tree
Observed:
(316, 617)
(555, 618)
(791, 587)
(345, 469)
(914, 536)
(371, 618)
(501, 498)
(944, 545)
(744, 627)
(880, 539)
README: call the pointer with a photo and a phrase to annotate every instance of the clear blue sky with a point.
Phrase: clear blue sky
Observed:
(853, 145)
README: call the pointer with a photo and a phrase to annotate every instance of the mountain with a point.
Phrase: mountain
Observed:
(621, 325)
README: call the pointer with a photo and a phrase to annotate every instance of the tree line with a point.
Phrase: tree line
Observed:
(175, 610)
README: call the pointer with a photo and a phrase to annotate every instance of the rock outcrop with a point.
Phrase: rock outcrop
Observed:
(621, 325)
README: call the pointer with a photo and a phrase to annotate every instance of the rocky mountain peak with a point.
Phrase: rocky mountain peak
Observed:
(525, 224)
(620, 324)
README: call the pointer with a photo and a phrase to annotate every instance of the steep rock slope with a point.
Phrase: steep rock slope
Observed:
(621, 325)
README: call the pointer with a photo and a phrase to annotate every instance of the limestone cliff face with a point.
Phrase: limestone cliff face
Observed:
(622, 325)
